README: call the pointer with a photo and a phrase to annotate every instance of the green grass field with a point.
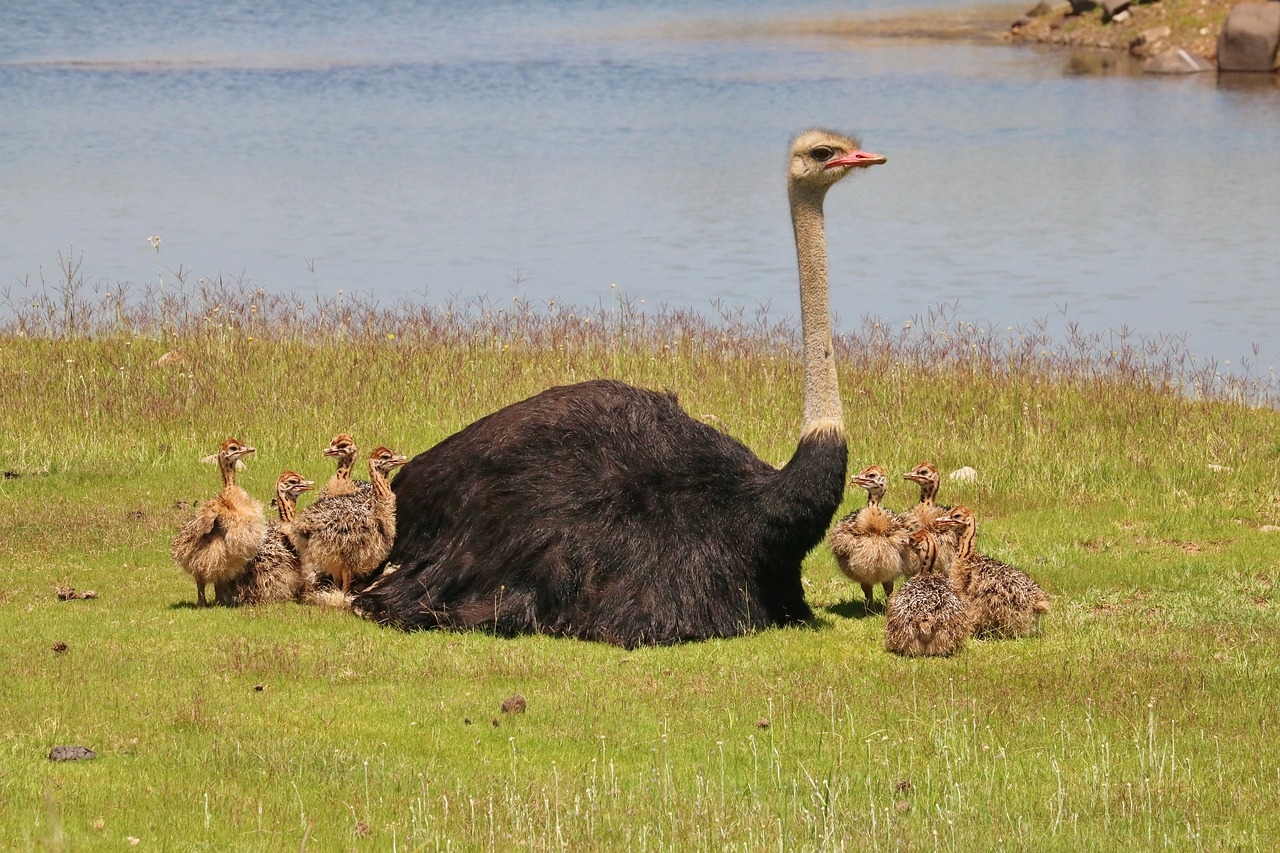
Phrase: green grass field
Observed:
(1133, 484)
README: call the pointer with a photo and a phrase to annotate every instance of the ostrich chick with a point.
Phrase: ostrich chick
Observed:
(275, 572)
(871, 545)
(926, 618)
(1002, 601)
(348, 536)
(216, 545)
(343, 449)
(924, 515)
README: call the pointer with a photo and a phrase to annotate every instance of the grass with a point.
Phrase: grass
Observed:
(1143, 716)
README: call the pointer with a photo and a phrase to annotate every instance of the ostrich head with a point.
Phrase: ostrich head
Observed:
(231, 451)
(960, 516)
(926, 474)
(873, 479)
(384, 460)
(819, 158)
(342, 446)
(293, 485)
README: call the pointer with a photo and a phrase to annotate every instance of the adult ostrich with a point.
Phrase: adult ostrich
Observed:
(603, 511)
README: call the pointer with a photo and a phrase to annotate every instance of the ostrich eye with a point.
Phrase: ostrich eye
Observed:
(822, 153)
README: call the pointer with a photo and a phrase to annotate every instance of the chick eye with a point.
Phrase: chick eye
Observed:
(822, 153)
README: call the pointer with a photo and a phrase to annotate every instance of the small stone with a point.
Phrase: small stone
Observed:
(763, 723)
(466, 721)
(258, 688)
(59, 647)
(513, 705)
(72, 753)
(1120, 17)
(964, 475)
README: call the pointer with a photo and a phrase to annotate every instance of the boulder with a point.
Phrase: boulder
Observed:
(1249, 38)
(1177, 61)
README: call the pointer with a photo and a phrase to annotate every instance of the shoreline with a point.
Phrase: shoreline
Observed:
(1141, 31)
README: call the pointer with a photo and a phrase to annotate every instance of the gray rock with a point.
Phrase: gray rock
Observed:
(964, 475)
(1111, 8)
(71, 753)
(1176, 61)
(1249, 38)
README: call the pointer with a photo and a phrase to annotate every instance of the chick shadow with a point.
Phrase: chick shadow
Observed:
(855, 608)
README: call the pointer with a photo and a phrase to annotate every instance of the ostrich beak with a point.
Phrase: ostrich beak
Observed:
(856, 159)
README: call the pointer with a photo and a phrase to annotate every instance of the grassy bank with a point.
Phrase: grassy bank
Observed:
(1150, 28)
(1134, 484)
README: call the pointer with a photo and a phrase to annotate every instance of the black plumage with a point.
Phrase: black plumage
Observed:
(667, 530)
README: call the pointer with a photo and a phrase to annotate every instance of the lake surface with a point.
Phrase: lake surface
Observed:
(550, 149)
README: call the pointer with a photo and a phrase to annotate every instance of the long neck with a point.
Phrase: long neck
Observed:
(967, 536)
(344, 467)
(228, 467)
(381, 486)
(286, 505)
(928, 555)
(822, 410)
(874, 496)
(928, 489)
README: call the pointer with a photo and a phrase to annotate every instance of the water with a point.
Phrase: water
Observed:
(550, 149)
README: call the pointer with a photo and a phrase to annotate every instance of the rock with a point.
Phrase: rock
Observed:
(1176, 61)
(964, 475)
(1147, 42)
(72, 753)
(513, 705)
(1112, 8)
(1249, 38)
(1119, 18)
(1079, 7)
(59, 647)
